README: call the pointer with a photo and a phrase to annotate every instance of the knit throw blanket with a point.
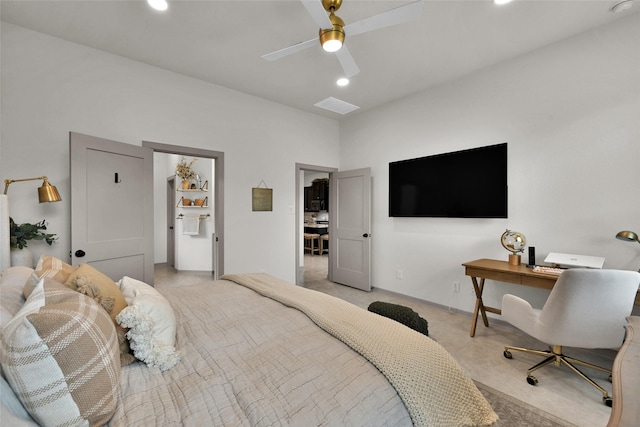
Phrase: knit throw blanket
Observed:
(430, 382)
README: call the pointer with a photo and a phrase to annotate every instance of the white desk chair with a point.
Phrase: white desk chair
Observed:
(586, 309)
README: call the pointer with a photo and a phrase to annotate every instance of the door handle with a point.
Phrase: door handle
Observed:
(366, 235)
(80, 253)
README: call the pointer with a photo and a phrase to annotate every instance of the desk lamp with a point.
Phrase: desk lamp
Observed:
(628, 236)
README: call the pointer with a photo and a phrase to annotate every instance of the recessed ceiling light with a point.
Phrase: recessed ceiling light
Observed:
(621, 6)
(343, 81)
(501, 2)
(158, 4)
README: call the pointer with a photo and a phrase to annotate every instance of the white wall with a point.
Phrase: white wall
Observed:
(569, 112)
(51, 87)
(571, 115)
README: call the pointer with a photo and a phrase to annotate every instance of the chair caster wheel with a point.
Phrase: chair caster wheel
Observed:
(532, 380)
(507, 354)
(607, 401)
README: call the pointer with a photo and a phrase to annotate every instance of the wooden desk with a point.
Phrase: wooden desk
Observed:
(501, 271)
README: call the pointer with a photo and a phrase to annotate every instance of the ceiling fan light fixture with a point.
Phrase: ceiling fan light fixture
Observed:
(332, 39)
(331, 44)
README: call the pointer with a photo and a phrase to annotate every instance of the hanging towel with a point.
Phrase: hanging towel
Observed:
(191, 225)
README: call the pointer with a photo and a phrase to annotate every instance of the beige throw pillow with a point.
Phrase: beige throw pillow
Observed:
(91, 282)
(60, 356)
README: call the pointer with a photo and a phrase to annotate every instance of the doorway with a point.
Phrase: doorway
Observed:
(313, 214)
(216, 197)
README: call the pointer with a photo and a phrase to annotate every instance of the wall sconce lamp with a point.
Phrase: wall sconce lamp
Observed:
(628, 236)
(47, 193)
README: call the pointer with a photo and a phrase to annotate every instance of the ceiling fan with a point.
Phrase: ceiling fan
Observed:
(333, 30)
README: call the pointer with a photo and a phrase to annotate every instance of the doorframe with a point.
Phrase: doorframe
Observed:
(171, 214)
(299, 215)
(218, 197)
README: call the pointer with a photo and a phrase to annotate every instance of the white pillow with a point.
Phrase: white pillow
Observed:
(151, 322)
(11, 284)
(13, 413)
(5, 316)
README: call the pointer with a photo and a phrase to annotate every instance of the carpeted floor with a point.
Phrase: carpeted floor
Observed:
(516, 413)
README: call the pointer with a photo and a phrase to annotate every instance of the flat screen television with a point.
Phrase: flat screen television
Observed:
(462, 184)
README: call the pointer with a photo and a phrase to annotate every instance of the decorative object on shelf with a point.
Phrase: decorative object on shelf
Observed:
(197, 203)
(185, 172)
(20, 234)
(628, 236)
(205, 186)
(46, 193)
(262, 198)
(514, 242)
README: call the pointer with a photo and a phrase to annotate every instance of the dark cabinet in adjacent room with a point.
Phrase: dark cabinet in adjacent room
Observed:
(316, 196)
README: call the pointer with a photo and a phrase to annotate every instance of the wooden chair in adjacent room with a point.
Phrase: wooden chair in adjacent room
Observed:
(324, 243)
(311, 242)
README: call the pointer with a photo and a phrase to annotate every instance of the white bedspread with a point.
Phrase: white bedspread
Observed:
(252, 361)
(430, 382)
(248, 360)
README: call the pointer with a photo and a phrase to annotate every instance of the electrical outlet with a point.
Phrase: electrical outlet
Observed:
(399, 274)
(456, 286)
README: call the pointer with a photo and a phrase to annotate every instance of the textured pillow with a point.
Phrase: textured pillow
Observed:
(60, 356)
(151, 322)
(91, 282)
(401, 314)
(51, 267)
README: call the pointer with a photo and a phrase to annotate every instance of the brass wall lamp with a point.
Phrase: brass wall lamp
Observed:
(47, 193)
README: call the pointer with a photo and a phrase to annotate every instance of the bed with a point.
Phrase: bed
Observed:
(246, 350)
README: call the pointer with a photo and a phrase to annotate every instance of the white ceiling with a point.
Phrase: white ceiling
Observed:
(222, 41)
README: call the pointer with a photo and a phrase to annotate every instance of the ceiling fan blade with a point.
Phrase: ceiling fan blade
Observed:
(290, 50)
(399, 15)
(317, 12)
(348, 63)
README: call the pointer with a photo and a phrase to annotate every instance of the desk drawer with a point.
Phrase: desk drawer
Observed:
(538, 282)
(500, 276)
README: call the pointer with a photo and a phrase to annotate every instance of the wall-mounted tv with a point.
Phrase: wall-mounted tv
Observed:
(462, 184)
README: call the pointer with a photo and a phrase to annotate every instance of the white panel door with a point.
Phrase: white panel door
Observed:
(350, 236)
(112, 206)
